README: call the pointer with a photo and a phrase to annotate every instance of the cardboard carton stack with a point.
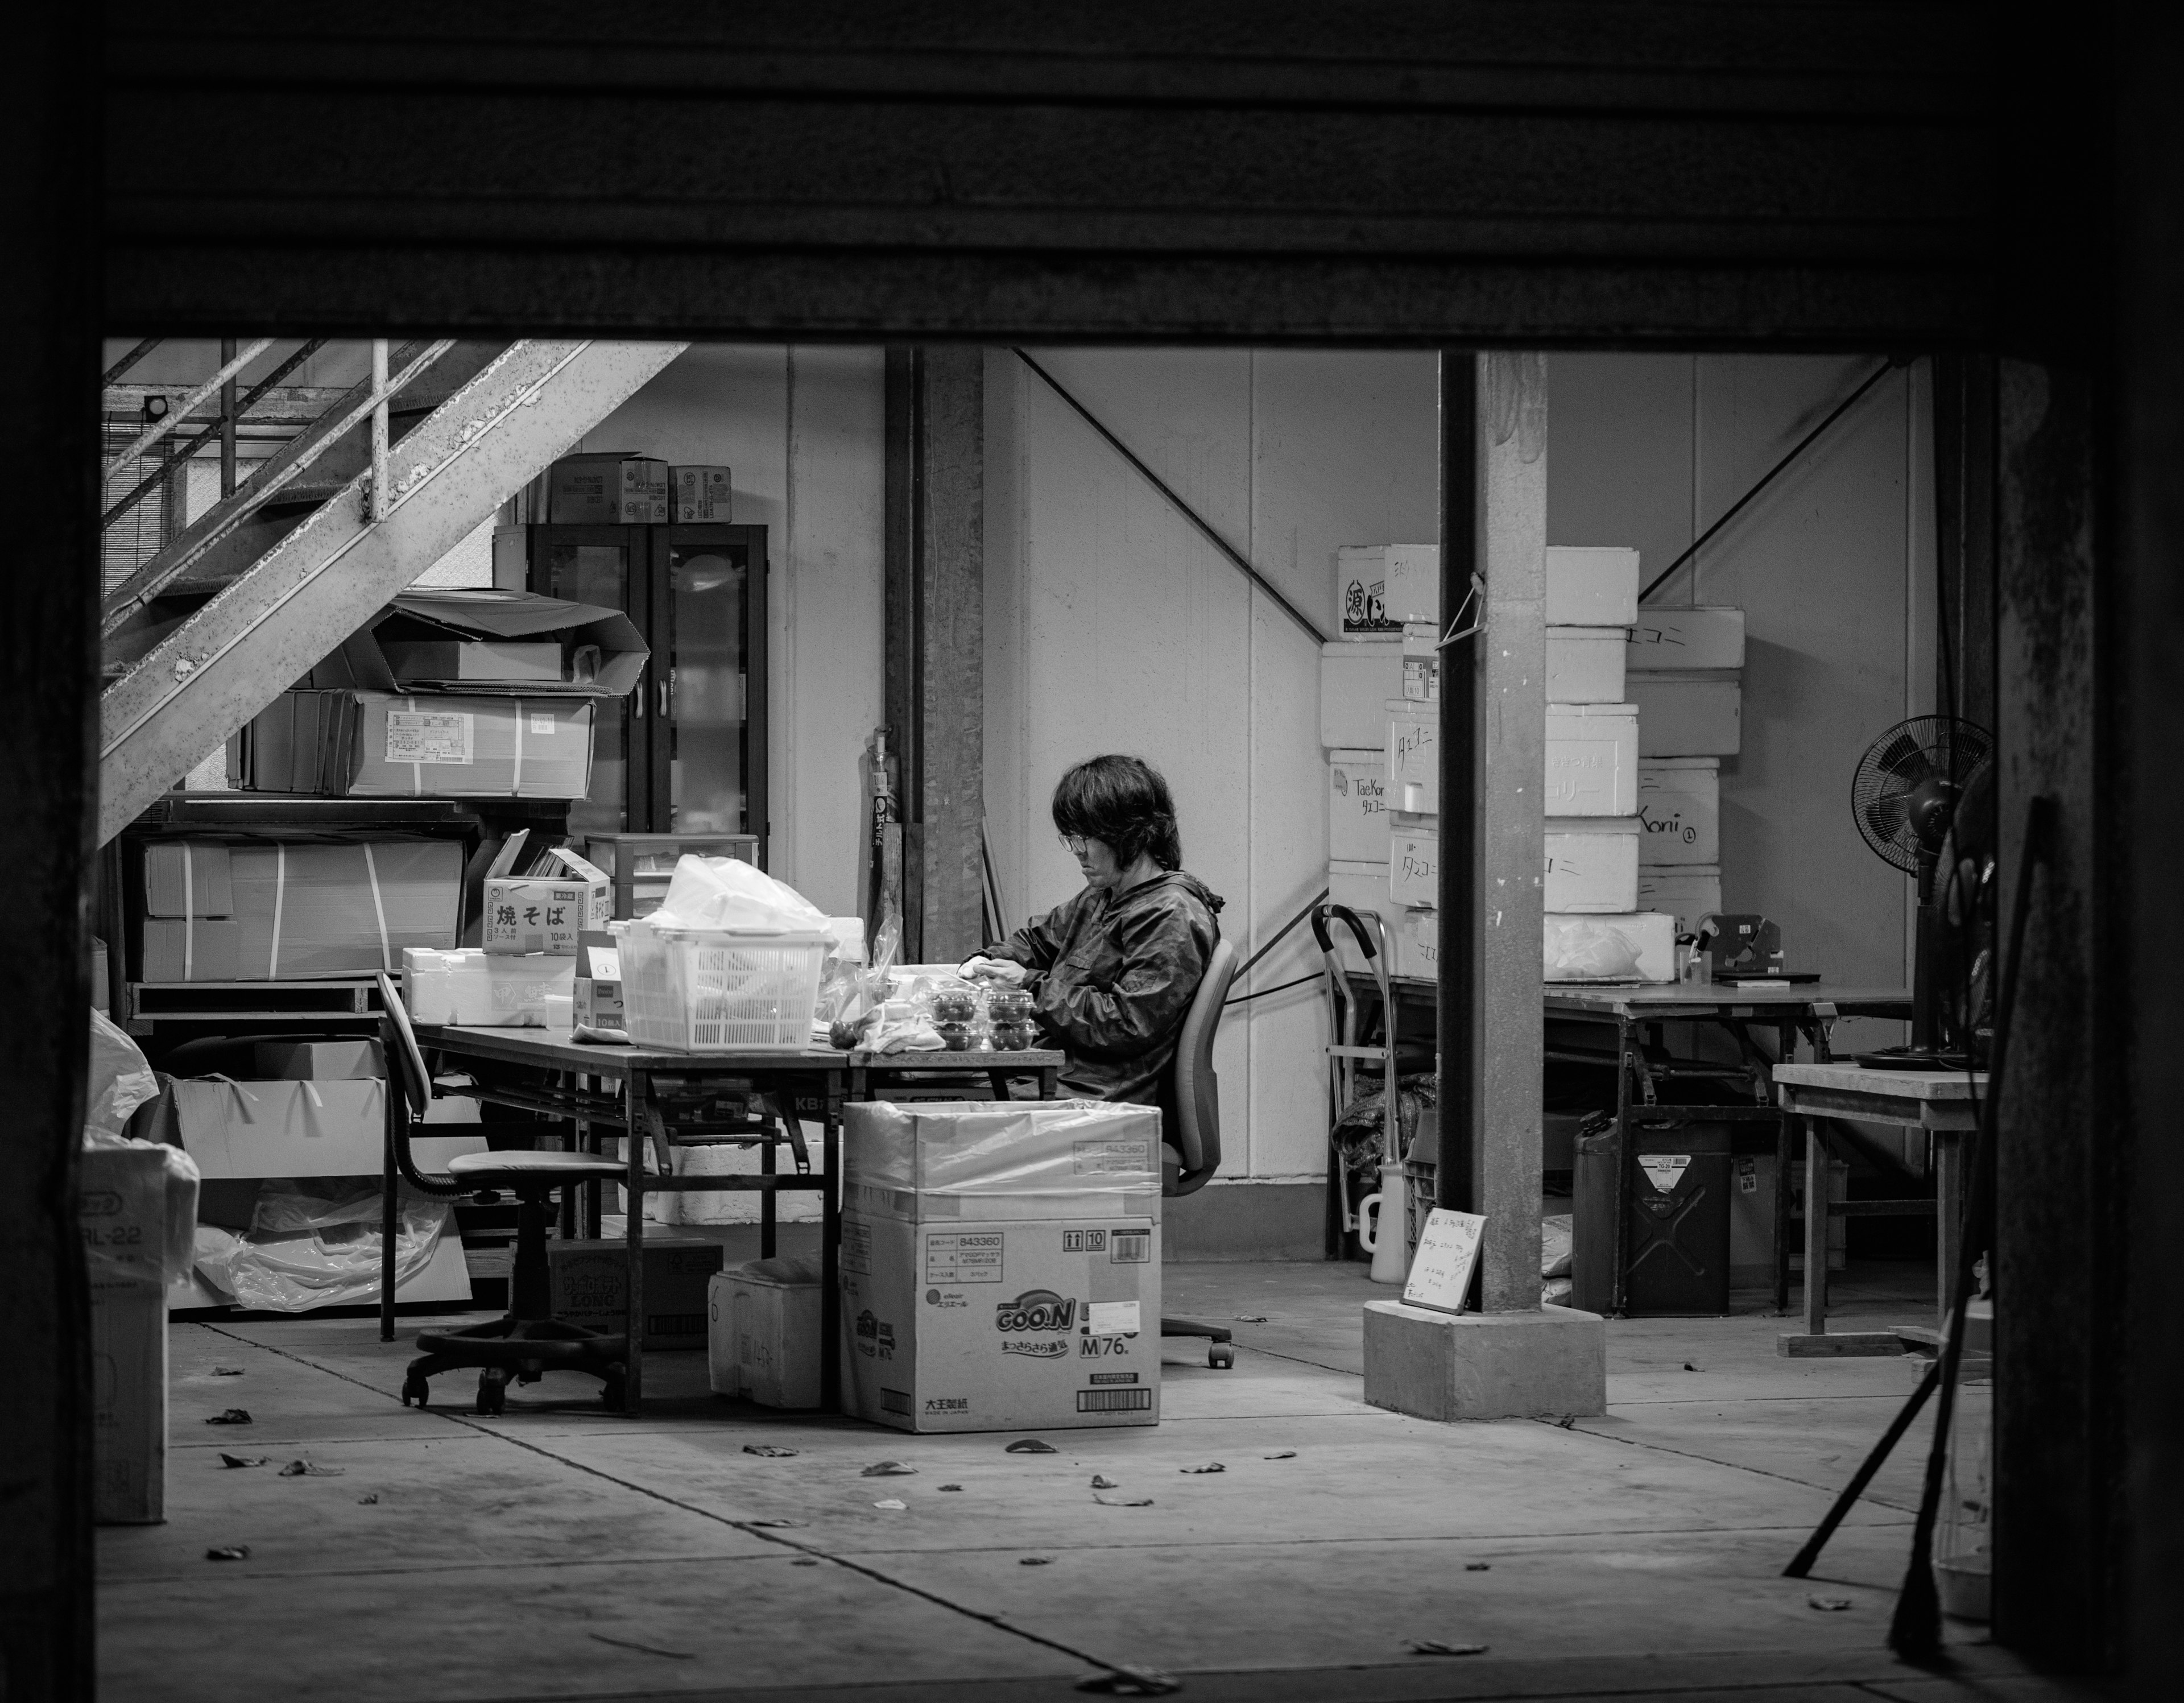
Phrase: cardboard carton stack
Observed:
(1686, 674)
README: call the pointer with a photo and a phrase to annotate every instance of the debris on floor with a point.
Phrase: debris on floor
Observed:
(804, 1561)
(227, 1459)
(227, 1371)
(1035, 1560)
(1100, 1481)
(773, 1525)
(772, 1451)
(643, 1649)
(889, 1469)
(1828, 1605)
(1030, 1445)
(1251, 1318)
(1210, 1466)
(233, 1415)
(307, 1469)
(1107, 1501)
(1132, 1682)
(1689, 1367)
(951, 1486)
(1435, 1646)
(229, 1552)
(892, 1502)
(1478, 1566)
(1280, 1454)
(369, 1501)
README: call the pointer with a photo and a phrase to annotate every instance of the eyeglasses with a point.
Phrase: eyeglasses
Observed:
(1073, 843)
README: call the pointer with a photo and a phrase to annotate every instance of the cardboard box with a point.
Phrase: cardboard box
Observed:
(392, 745)
(1585, 665)
(478, 990)
(764, 1340)
(1591, 865)
(311, 909)
(1591, 586)
(1422, 662)
(1751, 1218)
(1357, 805)
(700, 494)
(1356, 679)
(1413, 860)
(1680, 805)
(1689, 713)
(490, 641)
(590, 1286)
(547, 913)
(612, 489)
(1413, 750)
(279, 1128)
(1686, 892)
(1710, 637)
(1361, 580)
(437, 661)
(1030, 1324)
(122, 1208)
(597, 990)
(969, 1160)
(187, 878)
(188, 950)
(1593, 759)
(1418, 944)
(320, 1061)
(1652, 934)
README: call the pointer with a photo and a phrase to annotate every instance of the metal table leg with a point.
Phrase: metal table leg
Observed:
(1785, 1155)
(637, 1106)
(768, 1209)
(1816, 1229)
(1626, 1165)
(830, 1248)
(1948, 1217)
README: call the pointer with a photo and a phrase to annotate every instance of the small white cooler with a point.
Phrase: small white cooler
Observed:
(762, 1332)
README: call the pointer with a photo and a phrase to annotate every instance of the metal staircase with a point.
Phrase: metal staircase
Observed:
(226, 615)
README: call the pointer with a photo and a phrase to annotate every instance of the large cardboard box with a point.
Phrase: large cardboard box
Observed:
(1689, 713)
(320, 1061)
(1002, 1324)
(764, 1339)
(1706, 637)
(479, 989)
(546, 912)
(312, 909)
(969, 1160)
(1356, 678)
(287, 1127)
(1413, 860)
(1591, 586)
(1593, 759)
(1413, 749)
(1357, 805)
(1585, 665)
(1680, 805)
(189, 949)
(397, 745)
(590, 1286)
(481, 640)
(1686, 891)
(701, 493)
(1592, 864)
(612, 489)
(122, 1208)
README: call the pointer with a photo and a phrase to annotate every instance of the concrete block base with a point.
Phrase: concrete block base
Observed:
(1485, 1365)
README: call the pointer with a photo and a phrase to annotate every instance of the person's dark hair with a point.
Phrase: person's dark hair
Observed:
(1123, 802)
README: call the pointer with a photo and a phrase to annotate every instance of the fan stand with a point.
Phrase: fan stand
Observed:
(1923, 1053)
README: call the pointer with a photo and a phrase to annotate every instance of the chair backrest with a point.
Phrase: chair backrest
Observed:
(1196, 1137)
(405, 1062)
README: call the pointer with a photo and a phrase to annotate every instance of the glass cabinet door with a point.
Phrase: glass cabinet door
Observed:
(704, 642)
(605, 566)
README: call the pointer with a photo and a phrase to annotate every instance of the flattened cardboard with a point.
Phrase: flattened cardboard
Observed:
(602, 652)
(320, 1061)
(187, 878)
(468, 661)
(386, 745)
(190, 949)
(313, 909)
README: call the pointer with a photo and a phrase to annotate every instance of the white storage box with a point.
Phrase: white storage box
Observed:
(1356, 678)
(1688, 713)
(1413, 582)
(1641, 947)
(1591, 586)
(1358, 806)
(1413, 860)
(1593, 759)
(1418, 944)
(1686, 892)
(763, 1340)
(1413, 748)
(1592, 864)
(1680, 805)
(1422, 662)
(480, 989)
(711, 990)
(1706, 637)
(1585, 665)
(1361, 887)
(1361, 586)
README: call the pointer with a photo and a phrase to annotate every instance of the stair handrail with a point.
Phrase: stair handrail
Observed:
(293, 459)
(174, 415)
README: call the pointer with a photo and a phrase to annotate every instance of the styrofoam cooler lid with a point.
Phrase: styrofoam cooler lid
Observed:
(1646, 764)
(1358, 758)
(1594, 709)
(1595, 824)
(1620, 635)
(1351, 866)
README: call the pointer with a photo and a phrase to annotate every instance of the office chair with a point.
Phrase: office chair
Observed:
(529, 1341)
(1191, 1152)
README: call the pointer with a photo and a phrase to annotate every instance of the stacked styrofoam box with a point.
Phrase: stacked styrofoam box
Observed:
(1591, 873)
(1687, 677)
(1357, 676)
(1679, 852)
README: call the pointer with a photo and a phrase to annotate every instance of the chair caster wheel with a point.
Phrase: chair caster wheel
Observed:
(493, 1392)
(1220, 1356)
(415, 1388)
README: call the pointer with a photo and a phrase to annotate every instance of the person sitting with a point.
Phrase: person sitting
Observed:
(1111, 972)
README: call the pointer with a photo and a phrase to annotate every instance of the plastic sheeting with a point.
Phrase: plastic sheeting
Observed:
(727, 893)
(982, 1148)
(121, 1080)
(1585, 949)
(305, 1251)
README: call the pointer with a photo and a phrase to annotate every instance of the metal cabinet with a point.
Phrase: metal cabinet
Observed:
(685, 752)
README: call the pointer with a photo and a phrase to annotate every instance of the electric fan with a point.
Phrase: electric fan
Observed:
(1904, 797)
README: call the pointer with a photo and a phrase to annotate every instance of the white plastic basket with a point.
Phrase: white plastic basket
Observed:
(707, 991)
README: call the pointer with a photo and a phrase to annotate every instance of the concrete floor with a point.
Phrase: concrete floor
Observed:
(566, 1552)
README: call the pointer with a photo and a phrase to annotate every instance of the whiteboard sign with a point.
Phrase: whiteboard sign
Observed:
(1448, 1248)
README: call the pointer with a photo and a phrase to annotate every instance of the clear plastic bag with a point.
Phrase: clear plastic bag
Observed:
(1586, 949)
(728, 893)
(120, 1079)
(306, 1251)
